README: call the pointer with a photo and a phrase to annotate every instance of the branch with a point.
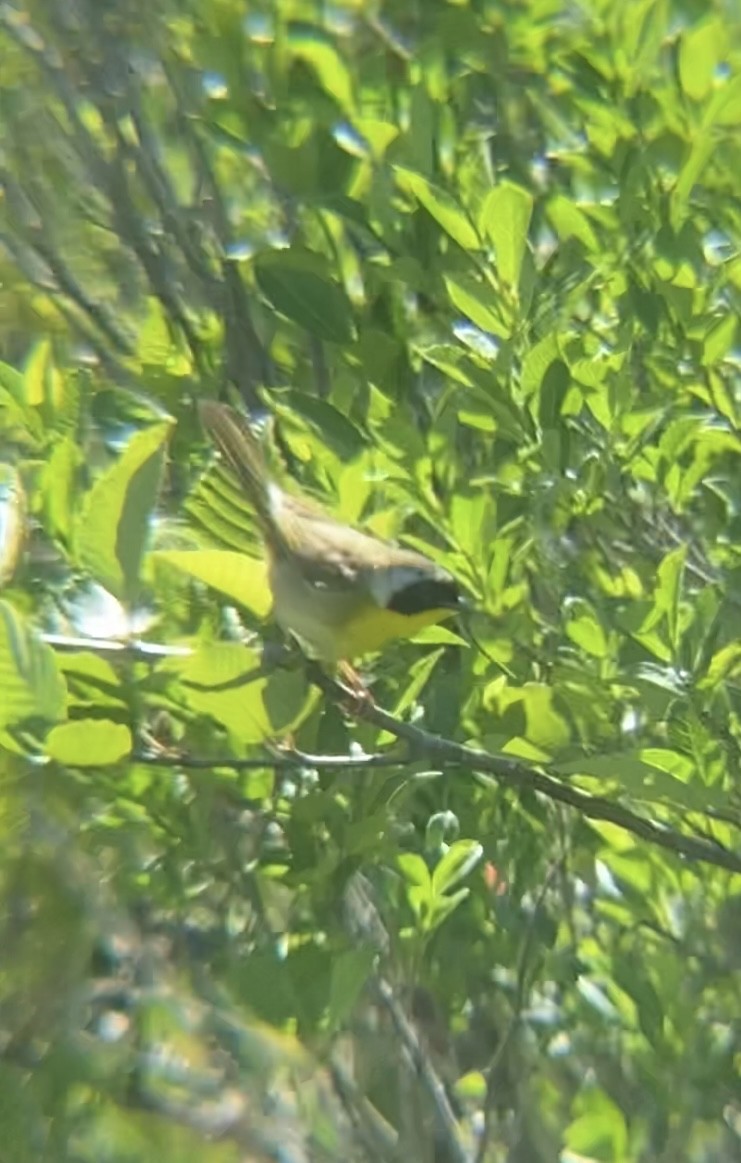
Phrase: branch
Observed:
(131, 647)
(441, 751)
(519, 775)
(283, 761)
(455, 1150)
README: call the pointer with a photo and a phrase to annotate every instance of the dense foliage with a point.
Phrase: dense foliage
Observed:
(478, 261)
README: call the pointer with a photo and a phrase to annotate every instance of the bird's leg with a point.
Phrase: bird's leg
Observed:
(358, 691)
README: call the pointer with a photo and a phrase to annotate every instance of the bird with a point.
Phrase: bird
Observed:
(342, 593)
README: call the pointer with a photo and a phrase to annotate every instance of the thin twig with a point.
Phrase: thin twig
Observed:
(448, 1125)
(502, 769)
(446, 753)
(283, 761)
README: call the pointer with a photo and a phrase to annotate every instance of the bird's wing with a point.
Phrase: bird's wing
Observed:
(335, 557)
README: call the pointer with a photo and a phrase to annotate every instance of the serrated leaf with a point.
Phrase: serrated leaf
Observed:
(441, 206)
(239, 577)
(89, 743)
(30, 681)
(291, 282)
(505, 221)
(113, 530)
(225, 681)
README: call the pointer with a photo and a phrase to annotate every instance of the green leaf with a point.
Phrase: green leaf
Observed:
(536, 363)
(350, 972)
(225, 681)
(89, 743)
(332, 425)
(546, 726)
(569, 221)
(291, 281)
(239, 577)
(634, 981)
(599, 1130)
(13, 382)
(30, 681)
(700, 50)
(719, 340)
(315, 48)
(460, 859)
(669, 591)
(288, 698)
(505, 221)
(414, 870)
(553, 388)
(59, 480)
(38, 367)
(419, 884)
(583, 628)
(478, 303)
(441, 206)
(156, 346)
(113, 529)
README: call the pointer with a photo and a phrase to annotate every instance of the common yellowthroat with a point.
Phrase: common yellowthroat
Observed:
(341, 592)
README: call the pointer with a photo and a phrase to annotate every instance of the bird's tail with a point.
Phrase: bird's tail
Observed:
(242, 453)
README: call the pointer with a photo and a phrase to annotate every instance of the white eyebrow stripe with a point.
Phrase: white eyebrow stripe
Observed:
(385, 583)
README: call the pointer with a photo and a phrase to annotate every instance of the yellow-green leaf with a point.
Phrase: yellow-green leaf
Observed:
(478, 303)
(113, 530)
(241, 578)
(89, 743)
(441, 206)
(31, 685)
(505, 221)
(225, 681)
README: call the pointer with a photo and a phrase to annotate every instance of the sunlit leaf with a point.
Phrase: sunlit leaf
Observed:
(225, 681)
(700, 48)
(505, 221)
(441, 206)
(31, 684)
(460, 859)
(310, 44)
(89, 743)
(113, 529)
(241, 578)
(478, 303)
